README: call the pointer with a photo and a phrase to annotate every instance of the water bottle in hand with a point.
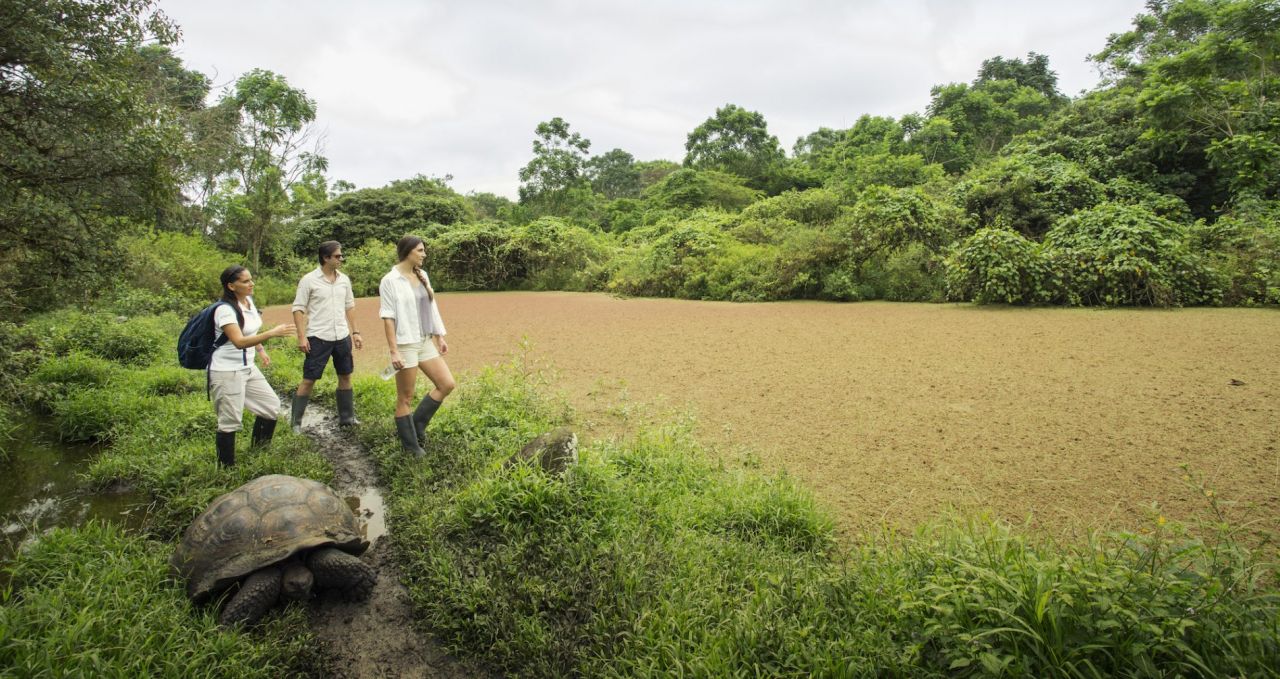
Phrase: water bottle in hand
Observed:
(389, 372)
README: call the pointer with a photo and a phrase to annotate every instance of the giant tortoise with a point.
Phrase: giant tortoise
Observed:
(274, 536)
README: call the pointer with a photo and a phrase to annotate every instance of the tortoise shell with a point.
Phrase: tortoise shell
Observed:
(264, 521)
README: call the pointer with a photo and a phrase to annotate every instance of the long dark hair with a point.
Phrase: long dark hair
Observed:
(229, 276)
(407, 244)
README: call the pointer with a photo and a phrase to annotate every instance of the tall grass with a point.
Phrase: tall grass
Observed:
(648, 559)
(93, 602)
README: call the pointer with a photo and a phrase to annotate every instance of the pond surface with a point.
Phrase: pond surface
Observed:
(41, 487)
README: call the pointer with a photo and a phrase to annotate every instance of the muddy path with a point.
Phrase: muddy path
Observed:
(378, 637)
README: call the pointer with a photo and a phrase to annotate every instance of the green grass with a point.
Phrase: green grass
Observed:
(93, 602)
(649, 559)
(646, 559)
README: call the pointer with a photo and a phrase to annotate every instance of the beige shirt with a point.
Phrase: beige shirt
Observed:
(325, 305)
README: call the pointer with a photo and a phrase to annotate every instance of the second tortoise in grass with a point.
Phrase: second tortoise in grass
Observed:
(275, 536)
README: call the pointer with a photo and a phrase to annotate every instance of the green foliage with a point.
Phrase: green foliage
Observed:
(551, 254)
(383, 215)
(980, 120)
(1244, 248)
(557, 168)
(180, 268)
(264, 163)
(614, 175)
(1124, 255)
(997, 265)
(1027, 192)
(368, 263)
(95, 602)
(737, 142)
(673, 262)
(989, 602)
(815, 207)
(86, 146)
(646, 556)
(691, 189)
(887, 219)
(1203, 74)
(471, 257)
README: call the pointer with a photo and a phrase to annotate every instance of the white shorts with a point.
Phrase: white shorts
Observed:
(234, 390)
(413, 354)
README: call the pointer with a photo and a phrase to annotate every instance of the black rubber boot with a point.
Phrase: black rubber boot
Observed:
(299, 407)
(226, 442)
(263, 430)
(346, 408)
(408, 439)
(422, 416)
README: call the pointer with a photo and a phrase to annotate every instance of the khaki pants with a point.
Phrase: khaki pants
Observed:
(234, 390)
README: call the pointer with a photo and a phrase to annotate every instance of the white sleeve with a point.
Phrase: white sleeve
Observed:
(304, 291)
(223, 316)
(386, 299)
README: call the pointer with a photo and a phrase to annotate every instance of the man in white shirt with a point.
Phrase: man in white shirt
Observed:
(324, 316)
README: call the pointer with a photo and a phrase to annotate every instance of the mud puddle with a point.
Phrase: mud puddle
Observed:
(378, 637)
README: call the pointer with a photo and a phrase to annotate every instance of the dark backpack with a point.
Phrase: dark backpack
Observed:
(196, 344)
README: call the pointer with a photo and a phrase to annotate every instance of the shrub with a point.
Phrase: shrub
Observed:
(58, 378)
(1028, 192)
(887, 219)
(381, 214)
(367, 264)
(691, 189)
(997, 265)
(551, 254)
(1124, 254)
(175, 266)
(673, 264)
(470, 257)
(814, 207)
(1243, 247)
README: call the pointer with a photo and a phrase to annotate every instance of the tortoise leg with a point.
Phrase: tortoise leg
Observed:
(336, 569)
(258, 593)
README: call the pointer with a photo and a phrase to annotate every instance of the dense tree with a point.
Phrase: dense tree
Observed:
(382, 214)
(1206, 81)
(736, 141)
(1033, 73)
(270, 156)
(83, 140)
(614, 174)
(554, 181)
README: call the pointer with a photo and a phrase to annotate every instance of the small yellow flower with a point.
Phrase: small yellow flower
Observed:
(1208, 493)
(1160, 521)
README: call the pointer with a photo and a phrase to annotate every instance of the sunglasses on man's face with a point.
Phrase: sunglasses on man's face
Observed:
(340, 258)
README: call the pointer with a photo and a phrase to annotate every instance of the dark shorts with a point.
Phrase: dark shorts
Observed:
(313, 365)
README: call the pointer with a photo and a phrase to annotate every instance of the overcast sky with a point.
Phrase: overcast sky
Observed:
(406, 87)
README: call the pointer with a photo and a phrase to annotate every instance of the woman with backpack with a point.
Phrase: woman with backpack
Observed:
(415, 335)
(235, 382)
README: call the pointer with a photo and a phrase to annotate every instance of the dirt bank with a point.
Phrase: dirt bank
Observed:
(1075, 418)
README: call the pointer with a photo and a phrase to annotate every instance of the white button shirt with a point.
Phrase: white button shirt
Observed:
(325, 305)
(398, 302)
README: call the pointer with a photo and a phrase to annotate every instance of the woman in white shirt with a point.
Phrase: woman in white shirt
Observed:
(415, 334)
(235, 383)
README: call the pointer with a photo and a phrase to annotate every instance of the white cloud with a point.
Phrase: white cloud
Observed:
(406, 87)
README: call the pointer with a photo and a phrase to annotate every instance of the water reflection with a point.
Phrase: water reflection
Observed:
(368, 507)
(41, 488)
